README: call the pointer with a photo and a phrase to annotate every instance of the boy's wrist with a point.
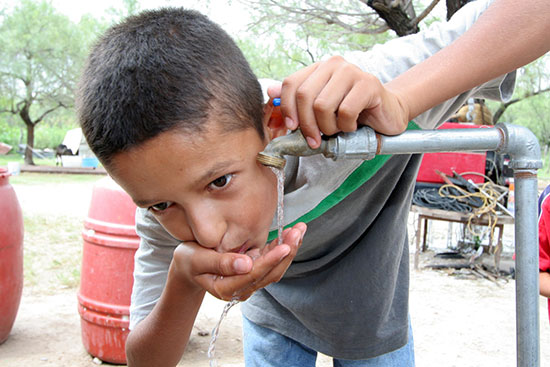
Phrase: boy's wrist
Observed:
(181, 278)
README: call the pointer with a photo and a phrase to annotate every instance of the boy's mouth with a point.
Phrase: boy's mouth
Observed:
(241, 249)
(247, 249)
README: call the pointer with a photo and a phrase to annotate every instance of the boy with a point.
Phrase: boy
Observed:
(170, 107)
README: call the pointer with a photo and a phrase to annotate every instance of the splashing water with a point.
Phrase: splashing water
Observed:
(280, 200)
(280, 216)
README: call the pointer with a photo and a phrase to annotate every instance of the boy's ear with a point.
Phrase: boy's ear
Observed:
(273, 121)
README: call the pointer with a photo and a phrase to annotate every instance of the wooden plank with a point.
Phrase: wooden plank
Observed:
(446, 215)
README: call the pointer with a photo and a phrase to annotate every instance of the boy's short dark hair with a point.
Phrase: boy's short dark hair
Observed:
(161, 70)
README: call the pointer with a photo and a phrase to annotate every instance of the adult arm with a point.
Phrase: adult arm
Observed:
(508, 35)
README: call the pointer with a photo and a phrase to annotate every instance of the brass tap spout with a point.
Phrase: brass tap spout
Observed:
(291, 144)
(360, 144)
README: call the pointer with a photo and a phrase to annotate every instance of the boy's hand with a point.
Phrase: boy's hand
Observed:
(334, 96)
(228, 275)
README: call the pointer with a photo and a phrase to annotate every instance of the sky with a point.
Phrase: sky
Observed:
(230, 17)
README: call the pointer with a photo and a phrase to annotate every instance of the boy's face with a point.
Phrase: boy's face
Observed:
(208, 188)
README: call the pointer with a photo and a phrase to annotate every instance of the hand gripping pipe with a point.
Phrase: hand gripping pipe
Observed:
(523, 148)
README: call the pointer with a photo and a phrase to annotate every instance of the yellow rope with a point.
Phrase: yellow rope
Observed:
(489, 199)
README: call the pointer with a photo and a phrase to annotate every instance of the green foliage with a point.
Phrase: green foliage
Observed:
(130, 7)
(531, 111)
(41, 55)
(10, 131)
(292, 40)
(49, 134)
(544, 172)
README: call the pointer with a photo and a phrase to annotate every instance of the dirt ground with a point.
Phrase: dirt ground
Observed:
(458, 320)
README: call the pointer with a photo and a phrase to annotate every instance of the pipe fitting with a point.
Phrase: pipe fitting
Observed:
(522, 145)
(360, 144)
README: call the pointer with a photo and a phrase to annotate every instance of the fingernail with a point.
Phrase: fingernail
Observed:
(289, 123)
(286, 252)
(311, 142)
(241, 266)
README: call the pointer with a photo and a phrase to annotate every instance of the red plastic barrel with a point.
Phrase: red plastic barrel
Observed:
(106, 279)
(11, 255)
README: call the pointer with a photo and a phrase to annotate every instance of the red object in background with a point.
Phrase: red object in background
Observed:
(110, 242)
(455, 161)
(11, 255)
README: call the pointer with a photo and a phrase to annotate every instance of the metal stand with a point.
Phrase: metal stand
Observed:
(524, 150)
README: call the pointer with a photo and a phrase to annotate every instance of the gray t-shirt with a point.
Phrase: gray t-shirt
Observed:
(346, 292)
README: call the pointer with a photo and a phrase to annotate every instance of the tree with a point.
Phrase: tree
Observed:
(346, 17)
(533, 80)
(295, 33)
(529, 106)
(40, 56)
(129, 7)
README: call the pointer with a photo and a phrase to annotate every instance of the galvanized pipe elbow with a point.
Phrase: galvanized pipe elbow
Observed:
(522, 145)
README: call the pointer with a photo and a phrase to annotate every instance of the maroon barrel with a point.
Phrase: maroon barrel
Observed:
(11, 255)
(109, 245)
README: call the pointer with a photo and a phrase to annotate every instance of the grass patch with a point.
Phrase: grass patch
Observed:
(52, 251)
(16, 157)
(33, 178)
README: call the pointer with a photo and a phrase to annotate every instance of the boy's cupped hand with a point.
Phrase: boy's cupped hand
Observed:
(334, 95)
(230, 276)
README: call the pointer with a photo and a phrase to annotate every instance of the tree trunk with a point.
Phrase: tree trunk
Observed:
(30, 144)
(24, 114)
(500, 111)
(454, 5)
(398, 16)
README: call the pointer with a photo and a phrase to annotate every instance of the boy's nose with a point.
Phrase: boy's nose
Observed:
(208, 225)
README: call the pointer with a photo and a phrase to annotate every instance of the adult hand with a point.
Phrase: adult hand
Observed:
(335, 95)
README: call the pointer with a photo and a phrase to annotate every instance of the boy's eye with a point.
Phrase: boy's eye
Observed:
(221, 182)
(160, 206)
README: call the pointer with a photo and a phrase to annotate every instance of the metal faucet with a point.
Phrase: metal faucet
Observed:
(360, 144)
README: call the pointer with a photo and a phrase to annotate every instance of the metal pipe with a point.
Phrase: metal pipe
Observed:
(527, 268)
(448, 140)
(522, 146)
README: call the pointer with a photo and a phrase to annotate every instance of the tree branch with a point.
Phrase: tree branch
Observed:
(425, 13)
(320, 14)
(59, 105)
(504, 106)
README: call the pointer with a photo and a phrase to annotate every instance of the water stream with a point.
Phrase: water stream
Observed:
(212, 347)
(280, 173)
(280, 216)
